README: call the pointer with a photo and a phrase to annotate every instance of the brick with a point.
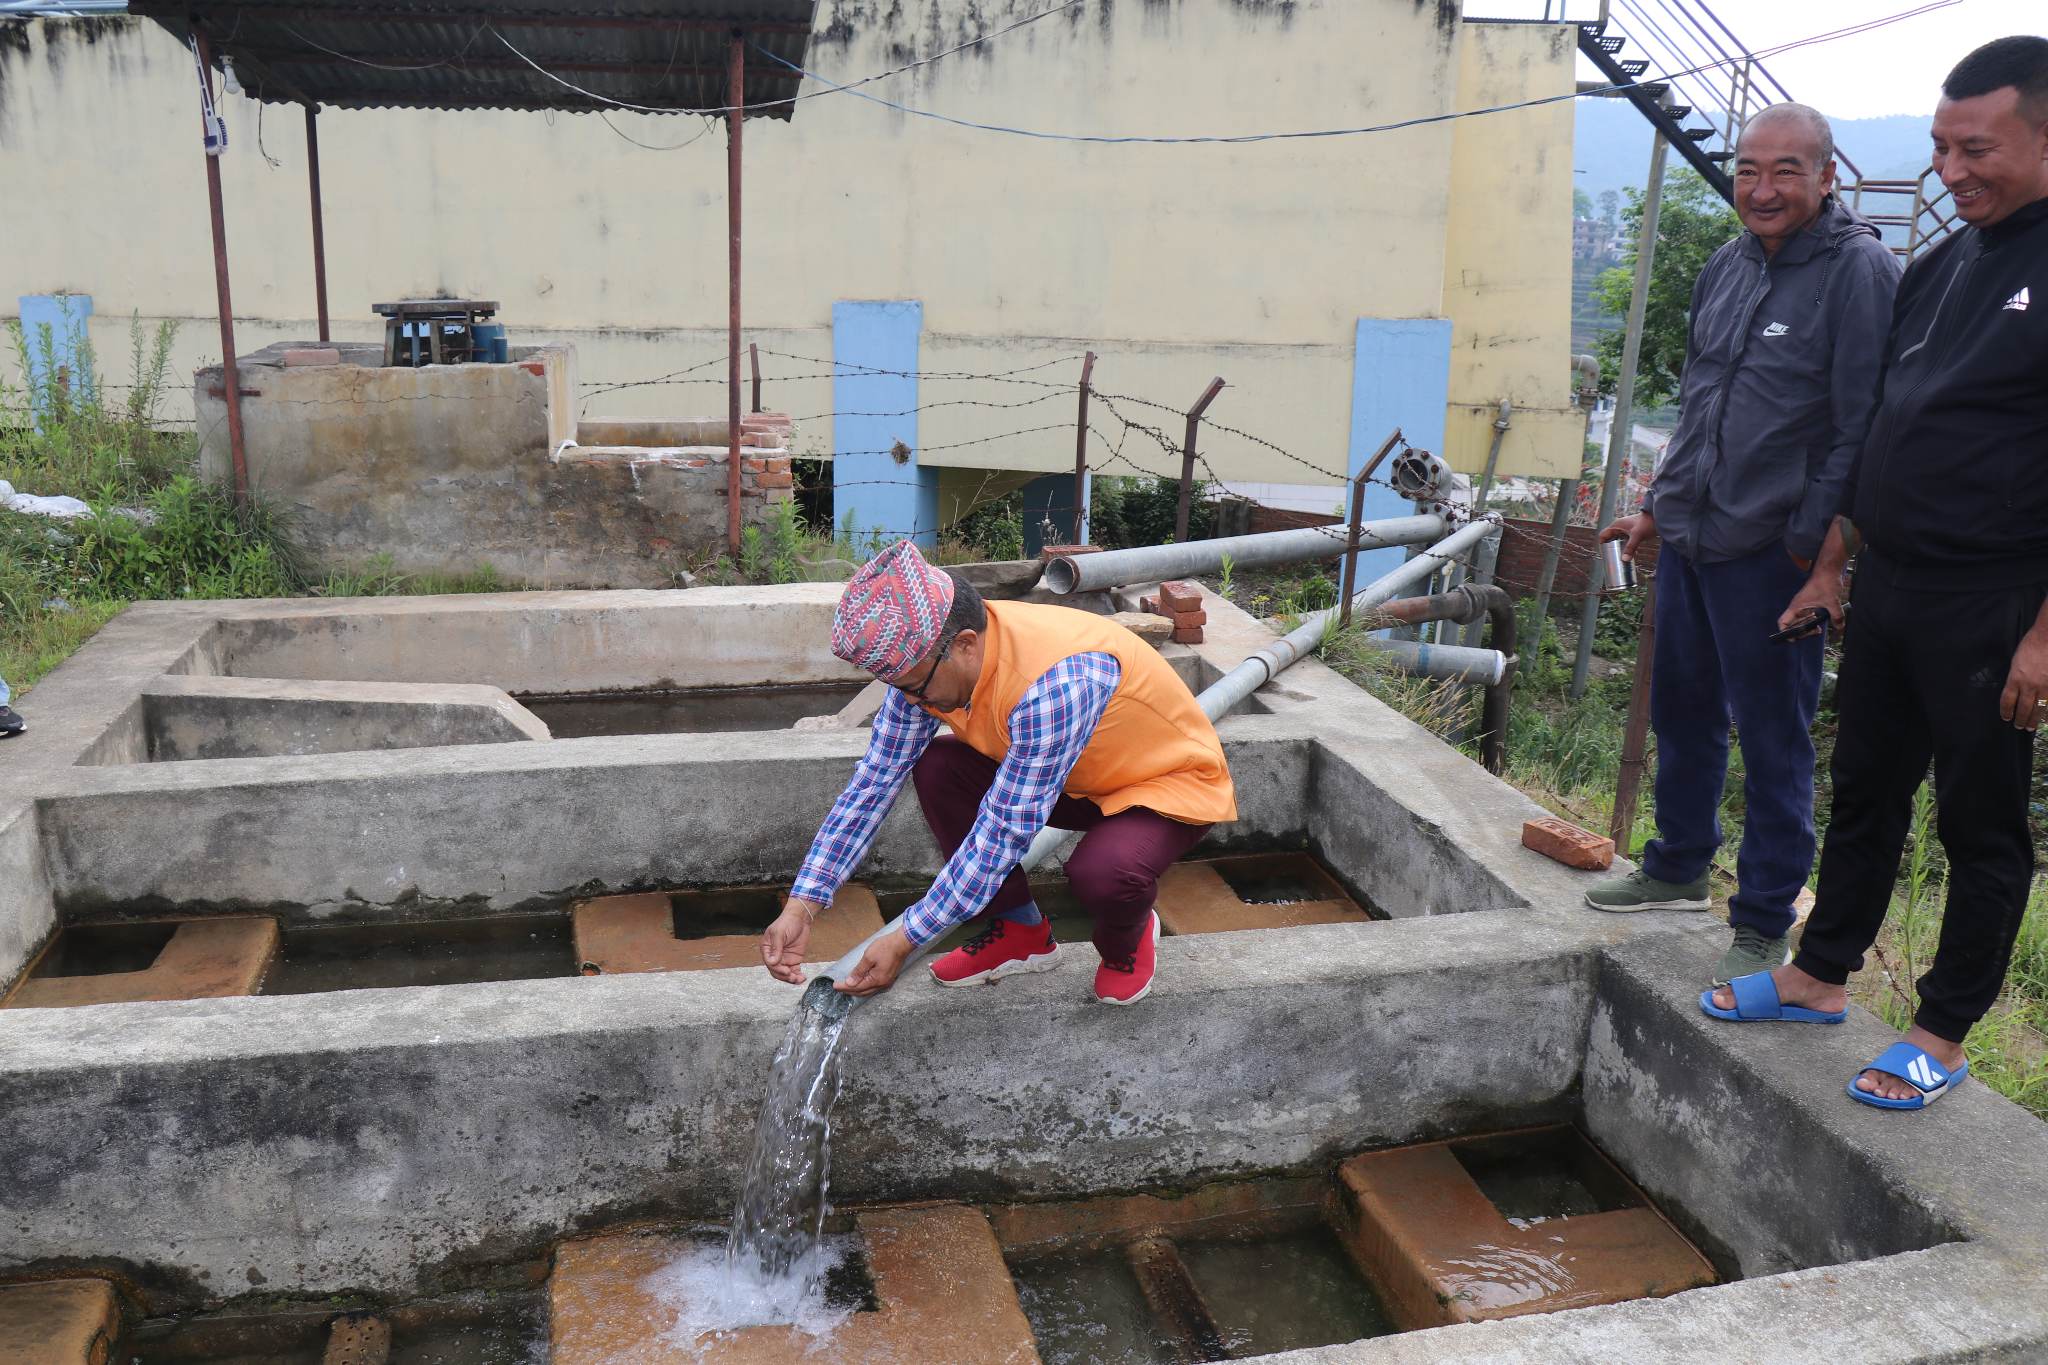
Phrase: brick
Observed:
(1568, 844)
(939, 1278)
(205, 959)
(1187, 635)
(58, 1322)
(1187, 619)
(357, 1339)
(1195, 899)
(772, 480)
(311, 355)
(1149, 604)
(535, 366)
(637, 933)
(1179, 597)
(751, 465)
(1052, 552)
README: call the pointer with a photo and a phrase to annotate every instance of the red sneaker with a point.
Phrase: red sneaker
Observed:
(1003, 949)
(1126, 980)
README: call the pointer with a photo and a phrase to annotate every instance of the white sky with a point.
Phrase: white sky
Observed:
(1892, 70)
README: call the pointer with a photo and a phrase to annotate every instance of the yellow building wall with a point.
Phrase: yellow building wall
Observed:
(1508, 254)
(1173, 263)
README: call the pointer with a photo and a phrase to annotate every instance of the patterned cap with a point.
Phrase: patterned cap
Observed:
(892, 612)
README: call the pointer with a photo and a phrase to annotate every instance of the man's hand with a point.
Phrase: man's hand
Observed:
(1823, 592)
(2026, 685)
(878, 966)
(1636, 529)
(782, 947)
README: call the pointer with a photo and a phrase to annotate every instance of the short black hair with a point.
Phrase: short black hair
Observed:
(2020, 61)
(966, 613)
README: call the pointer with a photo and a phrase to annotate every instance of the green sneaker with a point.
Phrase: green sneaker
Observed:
(1751, 952)
(1640, 891)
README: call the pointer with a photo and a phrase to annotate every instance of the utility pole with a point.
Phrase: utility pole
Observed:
(1618, 434)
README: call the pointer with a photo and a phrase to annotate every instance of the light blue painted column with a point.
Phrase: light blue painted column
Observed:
(65, 316)
(1400, 377)
(887, 496)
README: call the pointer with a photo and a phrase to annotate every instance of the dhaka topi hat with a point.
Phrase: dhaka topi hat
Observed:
(892, 612)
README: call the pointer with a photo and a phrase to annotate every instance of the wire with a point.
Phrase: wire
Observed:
(1293, 134)
(456, 60)
(709, 124)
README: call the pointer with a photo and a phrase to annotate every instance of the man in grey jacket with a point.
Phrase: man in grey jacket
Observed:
(1786, 340)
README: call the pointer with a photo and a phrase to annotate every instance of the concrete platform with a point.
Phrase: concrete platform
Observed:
(638, 933)
(942, 1290)
(204, 959)
(58, 1322)
(1442, 1252)
(447, 1135)
(1195, 898)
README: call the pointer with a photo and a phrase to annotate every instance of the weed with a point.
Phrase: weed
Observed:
(1223, 585)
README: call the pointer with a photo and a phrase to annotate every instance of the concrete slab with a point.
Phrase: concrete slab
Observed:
(199, 717)
(1441, 1252)
(1195, 898)
(638, 933)
(940, 1283)
(204, 959)
(58, 1322)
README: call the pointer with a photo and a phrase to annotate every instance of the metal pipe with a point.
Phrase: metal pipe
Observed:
(735, 119)
(1156, 563)
(1219, 697)
(1081, 453)
(319, 230)
(754, 355)
(1187, 456)
(1500, 433)
(1485, 561)
(1445, 663)
(230, 374)
(1357, 523)
(1624, 406)
(1635, 738)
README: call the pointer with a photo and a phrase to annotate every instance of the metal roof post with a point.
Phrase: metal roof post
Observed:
(319, 234)
(231, 380)
(735, 117)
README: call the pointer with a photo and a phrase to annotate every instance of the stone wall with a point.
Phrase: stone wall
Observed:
(444, 469)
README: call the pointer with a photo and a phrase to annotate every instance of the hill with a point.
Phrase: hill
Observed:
(1611, 145)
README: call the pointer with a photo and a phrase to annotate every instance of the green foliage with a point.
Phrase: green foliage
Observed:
(1582, 204)
(1693, 222)
(995, 529)
(86, 444)
(1129, 512)
(380, 577)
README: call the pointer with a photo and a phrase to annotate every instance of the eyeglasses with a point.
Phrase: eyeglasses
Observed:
(917, 693)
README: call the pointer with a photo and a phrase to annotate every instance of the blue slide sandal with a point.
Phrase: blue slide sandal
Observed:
(1756, 1002)
(1913, 1066)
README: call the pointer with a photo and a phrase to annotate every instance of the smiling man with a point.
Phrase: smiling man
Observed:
(1948, 656)
(1782, 357)
(1058, 717)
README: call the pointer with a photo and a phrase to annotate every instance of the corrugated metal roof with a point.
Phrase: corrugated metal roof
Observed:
(665, 55)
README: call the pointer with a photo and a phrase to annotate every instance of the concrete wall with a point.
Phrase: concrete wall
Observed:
(444, 469)
(1507, 263)
(1254, 261)
(194, 718)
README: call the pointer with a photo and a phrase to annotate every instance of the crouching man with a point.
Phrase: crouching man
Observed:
(1057, 717)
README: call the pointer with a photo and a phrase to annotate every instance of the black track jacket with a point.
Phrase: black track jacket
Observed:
(1952, 483)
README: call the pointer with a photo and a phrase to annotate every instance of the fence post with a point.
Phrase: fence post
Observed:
(1567, 496)
(1350, 576)
(754, 353)
(1081, 453)
(1187, 459)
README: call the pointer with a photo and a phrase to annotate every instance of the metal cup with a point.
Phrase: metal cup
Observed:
(1621, 573)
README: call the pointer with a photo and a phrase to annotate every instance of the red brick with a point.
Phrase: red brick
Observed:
(752, 465)
(1150, 606)
(1190, 618)
(311, 355)
(1568, 844)
(533, 367)
(1187, 635)
(1180, 597)
(1068, 551)
(782, 480)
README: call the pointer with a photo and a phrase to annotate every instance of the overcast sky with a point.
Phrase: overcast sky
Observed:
(1893, 70)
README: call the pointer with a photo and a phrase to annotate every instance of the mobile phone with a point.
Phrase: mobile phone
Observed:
(1817, 619)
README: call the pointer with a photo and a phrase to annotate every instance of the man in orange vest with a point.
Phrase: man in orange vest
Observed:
(1058, 717)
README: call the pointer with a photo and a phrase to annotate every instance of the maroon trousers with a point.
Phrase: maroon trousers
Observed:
(1115, 870)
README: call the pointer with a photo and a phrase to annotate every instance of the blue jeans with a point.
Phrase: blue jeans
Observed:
(1715, 661)
(5, 695)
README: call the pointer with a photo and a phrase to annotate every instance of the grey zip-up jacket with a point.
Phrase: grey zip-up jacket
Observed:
(1780, 381)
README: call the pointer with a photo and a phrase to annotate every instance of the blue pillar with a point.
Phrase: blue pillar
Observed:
(1400, 377)
(1049, 497)
(875, 473)
(62, 317)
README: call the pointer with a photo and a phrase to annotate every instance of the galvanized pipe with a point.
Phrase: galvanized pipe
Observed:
(1155, 563)
(1447, 663)
(319, 229)
(735, 119)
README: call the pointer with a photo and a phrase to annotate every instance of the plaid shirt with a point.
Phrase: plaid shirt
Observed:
(1049, 727)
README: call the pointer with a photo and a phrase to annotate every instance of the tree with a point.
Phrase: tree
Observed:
(1610, 208)
(1582, 203)
(1692, 223)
